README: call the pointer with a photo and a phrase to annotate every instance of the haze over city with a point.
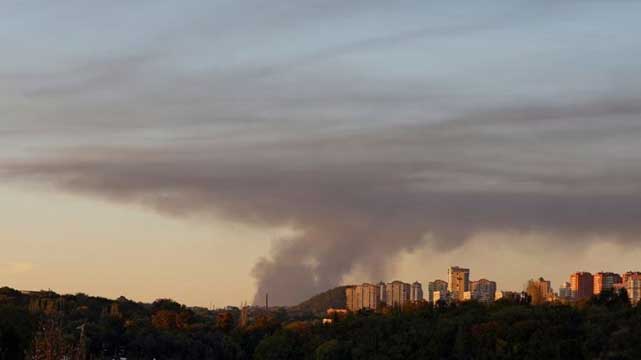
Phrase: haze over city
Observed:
(220, 150)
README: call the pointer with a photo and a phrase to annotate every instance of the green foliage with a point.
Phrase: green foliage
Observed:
(333, 350)
(16, 331)
(605, 326)
(166, 304)
(278, 347)
(611, 299)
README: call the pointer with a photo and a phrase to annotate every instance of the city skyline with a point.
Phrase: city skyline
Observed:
(235, 148)
(582, 287)
(414, 291)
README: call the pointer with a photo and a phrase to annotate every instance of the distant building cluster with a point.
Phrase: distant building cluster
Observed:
(399, 294)
(482, 290)
(459, 287)
(371, 296)
(583, 285)
(540, 291)
(365, 296)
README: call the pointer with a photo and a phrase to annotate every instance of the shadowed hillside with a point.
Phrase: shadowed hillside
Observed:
(334, 298)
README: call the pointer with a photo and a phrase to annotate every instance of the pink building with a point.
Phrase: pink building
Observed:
(582, 285)
(605, 281)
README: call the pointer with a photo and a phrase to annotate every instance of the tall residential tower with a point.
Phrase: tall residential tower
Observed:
(582, 285)
(459, 282)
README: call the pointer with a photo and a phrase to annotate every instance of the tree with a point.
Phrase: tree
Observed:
(165, 304)
(333, 350)
(225, 321)
(164, 320)
(461, 345)
(277, 347)
(49, 343)
(16, 331)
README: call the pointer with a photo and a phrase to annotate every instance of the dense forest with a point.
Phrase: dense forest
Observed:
(45, 325)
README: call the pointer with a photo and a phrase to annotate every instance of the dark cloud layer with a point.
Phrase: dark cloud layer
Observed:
(359, 198)
(370, 127)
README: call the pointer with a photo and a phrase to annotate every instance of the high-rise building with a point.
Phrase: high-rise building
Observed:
(629, 274)
(350, 297)
(365, 296)
(436, 286)
(382, 292)
(582, 285)
(633, 287)
(605, 281)
(397, 293)
(540, 290)
(565, 291)
(416, 293)
(458, 281)
(482, 290)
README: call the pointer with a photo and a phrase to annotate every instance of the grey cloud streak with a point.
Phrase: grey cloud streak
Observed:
(360, 197)
(372, 127)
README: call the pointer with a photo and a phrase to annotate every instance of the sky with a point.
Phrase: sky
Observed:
(214, 151)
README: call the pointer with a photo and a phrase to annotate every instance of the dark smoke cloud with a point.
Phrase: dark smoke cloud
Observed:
(359, 198)
(370, 127)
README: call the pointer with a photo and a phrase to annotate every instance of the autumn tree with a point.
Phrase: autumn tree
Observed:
(49, 343)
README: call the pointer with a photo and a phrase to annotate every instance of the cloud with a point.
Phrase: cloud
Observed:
(358, 198)
(369, 128)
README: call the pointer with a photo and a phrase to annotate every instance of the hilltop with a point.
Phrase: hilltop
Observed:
(333, 298)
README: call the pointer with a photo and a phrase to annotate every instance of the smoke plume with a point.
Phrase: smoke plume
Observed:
(370, 128)
(358, 199)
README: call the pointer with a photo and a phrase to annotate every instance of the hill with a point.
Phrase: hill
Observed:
(333, 298)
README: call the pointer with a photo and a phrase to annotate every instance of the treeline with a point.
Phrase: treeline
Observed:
(84, 327)
(48, 326)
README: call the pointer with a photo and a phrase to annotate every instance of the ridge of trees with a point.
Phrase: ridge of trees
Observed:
(45, 325)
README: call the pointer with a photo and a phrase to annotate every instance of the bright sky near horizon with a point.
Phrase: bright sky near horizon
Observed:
(210, 151)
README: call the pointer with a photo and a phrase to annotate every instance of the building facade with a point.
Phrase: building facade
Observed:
(383, 292)
(350, 295)
(416, 292)
(482, 290)
(439, 286)
(458, 282)
(633, 287)
(629, 274)
(540, 290)
(605, 281)
(364, 296)
(398, 293)
(565, 291)
(582, 285)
